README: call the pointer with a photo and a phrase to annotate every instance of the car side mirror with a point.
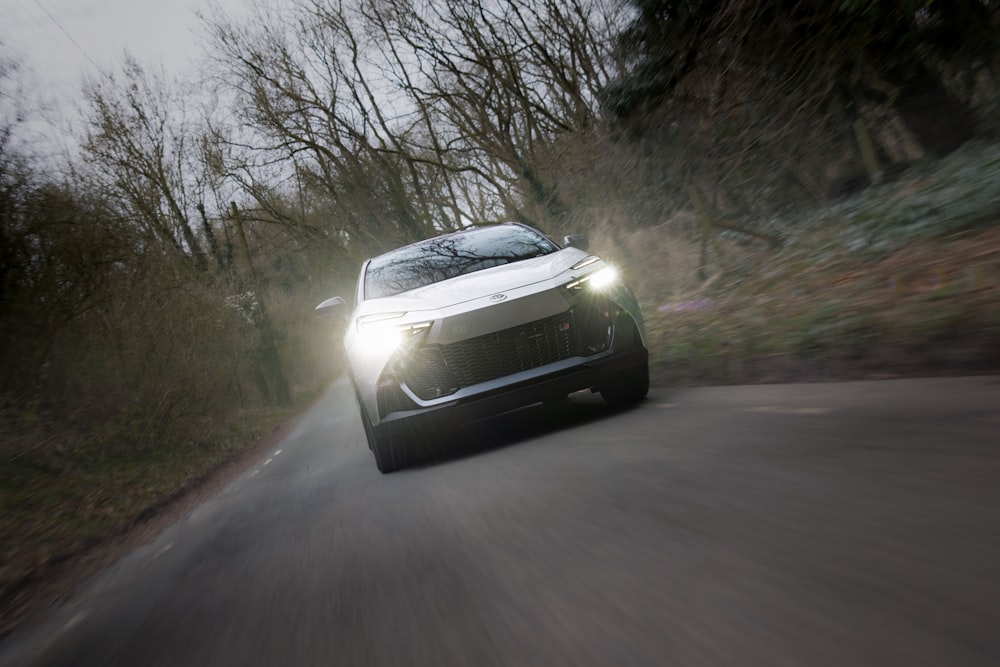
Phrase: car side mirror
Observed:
(330, 308)
(576, 241)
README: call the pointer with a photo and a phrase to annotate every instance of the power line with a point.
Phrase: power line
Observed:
(68, 36)
(39, 30)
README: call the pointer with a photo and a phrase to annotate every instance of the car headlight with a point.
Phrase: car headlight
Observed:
(382, 333)
(597, 281)
(603, 279)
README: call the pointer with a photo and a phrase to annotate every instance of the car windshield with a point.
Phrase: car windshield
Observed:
(450, 256)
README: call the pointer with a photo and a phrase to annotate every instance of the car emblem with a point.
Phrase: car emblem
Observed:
(498, 297)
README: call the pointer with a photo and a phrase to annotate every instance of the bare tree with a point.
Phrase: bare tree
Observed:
(144, 150)
(411, 117)
(309, 116)
(500, 83)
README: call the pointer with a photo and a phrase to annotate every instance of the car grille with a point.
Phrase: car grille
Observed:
(511, 350)
(436, 371)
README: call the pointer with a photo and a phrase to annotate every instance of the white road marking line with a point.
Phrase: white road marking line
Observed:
(268, 461)
(53, 637)
(254, 473)
(164, 550)
(777, 410)
(277, 452)
(75, 621)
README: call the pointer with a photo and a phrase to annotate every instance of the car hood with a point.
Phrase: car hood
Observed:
(478, 284)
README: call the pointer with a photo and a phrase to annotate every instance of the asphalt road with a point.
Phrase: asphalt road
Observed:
(812, 524)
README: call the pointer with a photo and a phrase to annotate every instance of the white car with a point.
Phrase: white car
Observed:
(480, 322)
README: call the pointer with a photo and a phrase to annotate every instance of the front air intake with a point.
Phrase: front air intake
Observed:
(440, 370)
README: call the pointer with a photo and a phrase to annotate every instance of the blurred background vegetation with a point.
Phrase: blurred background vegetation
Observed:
(158, 278)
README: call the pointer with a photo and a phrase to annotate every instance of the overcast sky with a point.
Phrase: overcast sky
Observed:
(59, 40)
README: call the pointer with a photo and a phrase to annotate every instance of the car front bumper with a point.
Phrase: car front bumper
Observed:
(506, 394)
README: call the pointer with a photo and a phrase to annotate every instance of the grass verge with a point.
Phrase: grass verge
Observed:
(901, 280)
(66, 496)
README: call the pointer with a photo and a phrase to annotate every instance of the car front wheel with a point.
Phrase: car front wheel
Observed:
(388, 458)
(626, 388)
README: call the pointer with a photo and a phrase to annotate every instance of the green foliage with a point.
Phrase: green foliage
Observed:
(959, 193)
(899, 279)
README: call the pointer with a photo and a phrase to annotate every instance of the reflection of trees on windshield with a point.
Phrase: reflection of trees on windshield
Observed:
(450, 256)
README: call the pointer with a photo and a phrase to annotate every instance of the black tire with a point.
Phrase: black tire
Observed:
(388, 458)
(626, 388)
